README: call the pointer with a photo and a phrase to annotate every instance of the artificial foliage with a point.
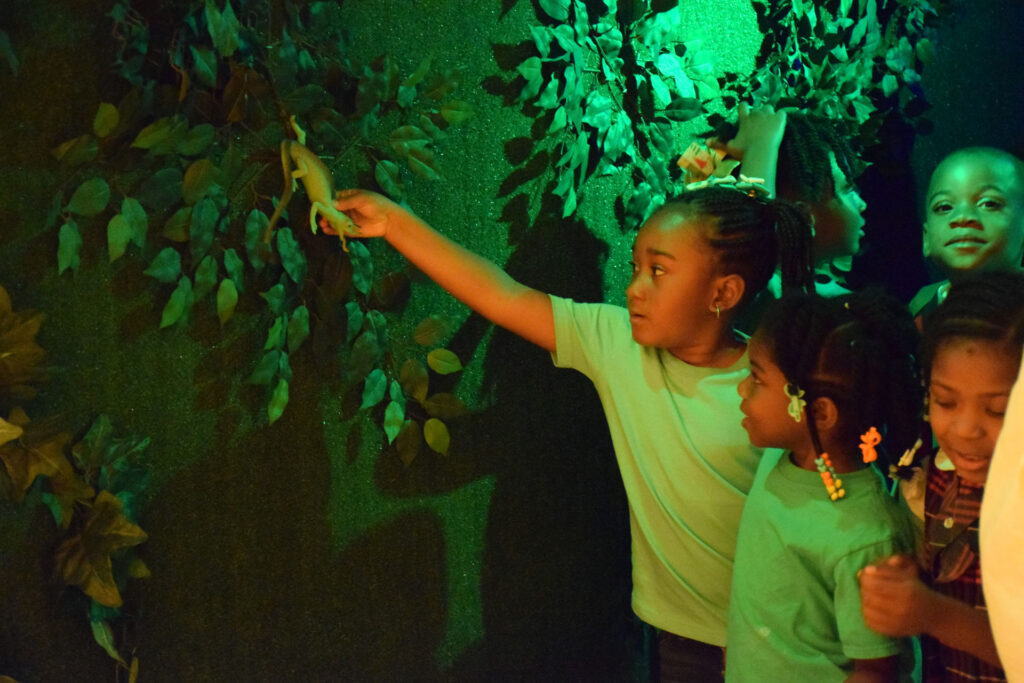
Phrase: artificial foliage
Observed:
(615, 85)
(92, 486)
(191, 150)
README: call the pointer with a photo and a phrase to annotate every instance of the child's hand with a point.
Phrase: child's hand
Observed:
(763, 127)
(372, 212)
(893, 600)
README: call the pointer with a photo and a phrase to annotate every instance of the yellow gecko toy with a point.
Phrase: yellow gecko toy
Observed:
(299, 163)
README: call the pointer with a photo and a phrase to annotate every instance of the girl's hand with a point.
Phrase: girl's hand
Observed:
(757, 127)
(372, 212)
(894, 602)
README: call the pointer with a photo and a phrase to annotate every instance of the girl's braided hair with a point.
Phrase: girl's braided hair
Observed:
(752, 235)
(987, 306)
(858, 350)
(803, 171)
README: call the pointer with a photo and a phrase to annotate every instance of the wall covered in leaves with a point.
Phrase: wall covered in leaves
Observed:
(236, 448)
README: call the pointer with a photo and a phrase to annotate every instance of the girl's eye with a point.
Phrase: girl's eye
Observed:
(942, 207)
(945, 405)
(999, 414)
(991, 204)
(657, 270)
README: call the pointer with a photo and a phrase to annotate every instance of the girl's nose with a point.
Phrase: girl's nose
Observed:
(965, 216)
(968, 425)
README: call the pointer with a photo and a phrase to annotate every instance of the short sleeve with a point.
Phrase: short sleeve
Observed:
(857, 640)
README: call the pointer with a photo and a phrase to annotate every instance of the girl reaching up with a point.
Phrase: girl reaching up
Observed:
(834, 384)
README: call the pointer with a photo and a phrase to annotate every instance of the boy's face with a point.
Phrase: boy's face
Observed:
(974, 214)
(670, 294)
(970, 386)
(838, 223)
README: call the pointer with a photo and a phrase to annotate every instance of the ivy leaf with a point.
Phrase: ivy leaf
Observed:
(365, 352)
(105, 121)
(431, 330)
(274, 298)
(90, 198)
(119, 233)
(227, 299)
(84, 560)
(278, 401)
(176, 229)
(223, 28)
(444, 406)
(456, 112)
(355, 320)
(204, 222)
(362, 267)
(200, 177)
(292, 258)
(9, 432)
(69, 242)
(206, 277)
(255, 223)
(276, 335)
(137, 219)
(161, 190)
(684, 109)
(235, 268)
(204, 65)
(387, 176)
(407, 138)
(166, 267)
(531, 70)
(178, 304)
(25, 463)
(436, 435)
(104, 637)
(77, 150)
(394, 419)
(298, 328)
(155, 133)
(423, 166)
(408, 440)
(266, 368)
(443, 362)
(414, 379)
(375, 388)
(556, 9)
(197, 140)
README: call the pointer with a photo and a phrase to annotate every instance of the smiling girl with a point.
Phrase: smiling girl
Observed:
(971, 355)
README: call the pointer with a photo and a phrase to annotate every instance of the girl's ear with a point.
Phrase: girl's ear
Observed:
(826, 415)
(729, 291)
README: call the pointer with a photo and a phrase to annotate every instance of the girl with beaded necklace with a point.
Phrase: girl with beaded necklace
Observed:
(825, 374)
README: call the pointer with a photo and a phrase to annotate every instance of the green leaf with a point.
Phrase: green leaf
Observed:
(362, 267)
(77, 150)
(155, 133)
(355, 320)
(374, 389)
(105, 121)
(235, 268)
(423, 169)
(444, 406)
(363, 358)
(414, 379)
(396, 393)
(166, 267)
(161, 190)
(394, 419)
(90, 198)
(8, 52)
(431, 330)
(387, 176)
(266, 368)
(298, 328)
(119, 233)
(277, 334)
(531, 70)
(206, 277)
(278, 401)
(684, 109)
(443, 362)
(436, 434)
(227, 299)
(456, 112)
(197, 140)
(556, 9)
(204, 221)
(407, 138)
(102, 634)
(292, 258)
(68, 245)
(178, 304)
(137, 219)
(255, 223)
(200, 177)
(223, 28)
(204, 65)
(274, 298)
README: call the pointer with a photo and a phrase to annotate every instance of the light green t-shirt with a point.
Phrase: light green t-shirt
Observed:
(795, 612)
(685, 459)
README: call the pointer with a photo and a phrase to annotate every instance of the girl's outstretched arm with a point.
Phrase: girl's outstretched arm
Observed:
(895, 603)
(470, 278)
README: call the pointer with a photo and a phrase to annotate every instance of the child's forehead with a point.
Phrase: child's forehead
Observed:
(977, 168)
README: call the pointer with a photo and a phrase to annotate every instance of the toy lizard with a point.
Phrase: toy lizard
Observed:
(299, 163)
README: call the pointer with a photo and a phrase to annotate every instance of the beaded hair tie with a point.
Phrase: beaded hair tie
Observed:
(833, 484)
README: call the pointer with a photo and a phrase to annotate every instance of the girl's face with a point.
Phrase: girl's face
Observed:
(970, 386)
(670, 295)
(765, 405)
(838, 223)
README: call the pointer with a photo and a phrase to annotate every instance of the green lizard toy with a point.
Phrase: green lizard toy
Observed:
(299, 163)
